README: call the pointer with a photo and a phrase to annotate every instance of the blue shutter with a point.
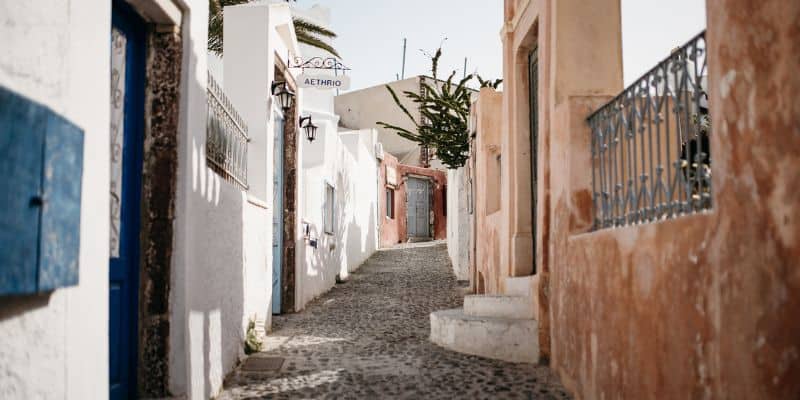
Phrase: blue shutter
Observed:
(21, 141)
(59, 238)
(41, 157)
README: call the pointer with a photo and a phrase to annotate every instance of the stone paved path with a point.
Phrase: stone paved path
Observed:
(368, 339)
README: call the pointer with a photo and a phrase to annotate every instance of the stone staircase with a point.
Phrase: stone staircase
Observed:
(502, 327)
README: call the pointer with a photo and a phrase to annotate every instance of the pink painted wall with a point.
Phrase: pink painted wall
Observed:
(393, 231)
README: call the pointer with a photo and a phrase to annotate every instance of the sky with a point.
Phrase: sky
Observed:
(371, 33)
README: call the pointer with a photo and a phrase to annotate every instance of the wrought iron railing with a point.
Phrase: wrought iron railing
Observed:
(226, 137)
(651, 158)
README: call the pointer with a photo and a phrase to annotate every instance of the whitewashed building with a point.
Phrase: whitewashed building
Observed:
(157, 200)
(125, 318)
(339, 200)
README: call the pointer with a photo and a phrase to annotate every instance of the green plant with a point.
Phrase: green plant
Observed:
(444, 114)
(252, 344)
(307, 32)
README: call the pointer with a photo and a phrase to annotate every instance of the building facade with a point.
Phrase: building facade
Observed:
(185, 195)
(655, 273)
(364, 108)
(413, 203)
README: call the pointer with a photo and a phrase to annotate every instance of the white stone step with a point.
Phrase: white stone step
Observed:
(507, 339)
(500, 306)
(521, 285)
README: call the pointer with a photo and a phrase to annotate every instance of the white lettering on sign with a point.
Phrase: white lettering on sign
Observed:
(323, 81)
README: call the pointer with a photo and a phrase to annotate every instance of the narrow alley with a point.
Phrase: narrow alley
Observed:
(368, 338)
(450, 199)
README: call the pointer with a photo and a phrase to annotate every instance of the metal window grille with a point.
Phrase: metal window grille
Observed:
(226, 137)
(651, 158)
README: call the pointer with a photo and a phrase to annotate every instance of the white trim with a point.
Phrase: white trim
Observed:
(161, 12)
(257, 202)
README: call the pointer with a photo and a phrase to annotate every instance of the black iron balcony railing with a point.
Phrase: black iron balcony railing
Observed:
(226, 137)
(651, 156)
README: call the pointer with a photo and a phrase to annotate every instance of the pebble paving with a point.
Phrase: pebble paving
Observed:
(367, 338)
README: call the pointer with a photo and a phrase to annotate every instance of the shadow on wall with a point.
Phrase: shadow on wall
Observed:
(354, 236)
(13, 306)
(328, 260)
(354, 241)
(211, 284)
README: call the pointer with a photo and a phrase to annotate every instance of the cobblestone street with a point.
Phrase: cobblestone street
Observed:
(368, 338)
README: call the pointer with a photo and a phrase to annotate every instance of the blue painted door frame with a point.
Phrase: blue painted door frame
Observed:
(277, 214)
(124, 270)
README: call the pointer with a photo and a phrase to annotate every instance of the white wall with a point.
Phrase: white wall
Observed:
(349, 165)
(222, 259)
(363, 108)
(459, 222)
(347, 161)
(56, 345)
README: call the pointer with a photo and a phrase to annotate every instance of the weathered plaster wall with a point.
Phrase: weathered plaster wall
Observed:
(700, 306)
(580, 67)
(488, 272)
(389, 227)
(56, 345)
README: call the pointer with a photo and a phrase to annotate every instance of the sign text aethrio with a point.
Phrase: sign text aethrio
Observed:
(323, 81)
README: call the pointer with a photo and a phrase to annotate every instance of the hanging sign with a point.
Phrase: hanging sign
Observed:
(319, 81)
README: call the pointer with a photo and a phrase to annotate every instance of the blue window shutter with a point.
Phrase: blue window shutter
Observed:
(59, 238)
(21, 141)
(41, 157)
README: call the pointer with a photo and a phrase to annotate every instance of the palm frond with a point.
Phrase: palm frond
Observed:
(307, 32)
(314, 41)
(303, 25)
(215, 22)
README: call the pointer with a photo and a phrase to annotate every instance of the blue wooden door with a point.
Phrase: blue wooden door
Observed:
(126, 137)
(277, 214)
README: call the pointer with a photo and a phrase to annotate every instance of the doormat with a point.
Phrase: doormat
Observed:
(262, 364)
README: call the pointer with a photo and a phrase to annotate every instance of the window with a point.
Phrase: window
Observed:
(389, 203)
(226, 137)
(328, 221)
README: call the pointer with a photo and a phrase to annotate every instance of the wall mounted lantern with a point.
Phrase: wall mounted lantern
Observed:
(284, 94)
(309, 128)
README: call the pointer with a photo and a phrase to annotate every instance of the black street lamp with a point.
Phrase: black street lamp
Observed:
(309, 128)
(284, 94)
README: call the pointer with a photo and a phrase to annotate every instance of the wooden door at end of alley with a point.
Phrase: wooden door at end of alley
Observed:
(417, 208)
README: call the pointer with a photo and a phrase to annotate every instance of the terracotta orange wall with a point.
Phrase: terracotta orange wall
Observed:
(489, 272)
(393, 231)
(390, 228)
(701, 306)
